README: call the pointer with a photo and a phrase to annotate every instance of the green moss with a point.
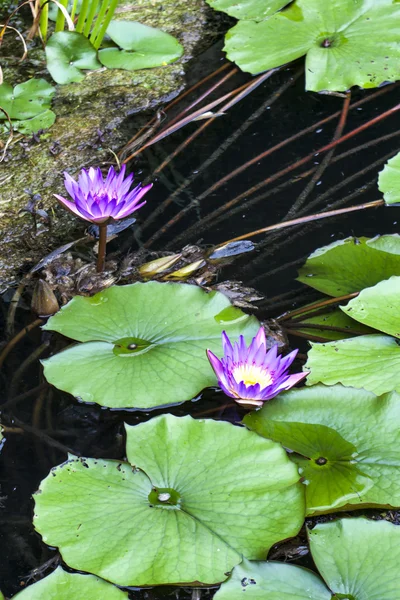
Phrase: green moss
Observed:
(101, 102)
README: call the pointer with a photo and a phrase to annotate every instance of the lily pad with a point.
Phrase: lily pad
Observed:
(352, 264)
(144, 47)
(255, 10)
(389, 180)
(28, 105)
(371, 362)
(378, 306)
(346, 43)
(67, 53)
(272, 581)
(200, 495)
(61, 585)
(43, 121)
(145, 344)
(357, 558)
(347, 443)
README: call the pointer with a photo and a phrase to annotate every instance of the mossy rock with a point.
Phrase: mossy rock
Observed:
(89, 125)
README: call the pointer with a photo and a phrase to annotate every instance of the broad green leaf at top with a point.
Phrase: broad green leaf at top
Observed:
(346, 442)
(357, 558)
(145, 344)
(346, 42)
(194, 498)
(350, 265)
(389, 180)
(371, 362)
(255, 10)
(67, 54)
(61, 585)
(143, 47)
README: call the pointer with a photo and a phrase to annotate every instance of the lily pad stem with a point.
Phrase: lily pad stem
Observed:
(101, 255)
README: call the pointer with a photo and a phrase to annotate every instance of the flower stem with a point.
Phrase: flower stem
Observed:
(101, 255)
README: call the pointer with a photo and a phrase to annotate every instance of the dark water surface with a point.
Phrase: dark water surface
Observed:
(272, 268)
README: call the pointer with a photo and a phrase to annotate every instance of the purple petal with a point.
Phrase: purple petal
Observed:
(69, 205)
(227, 346)
(291, 381)
(124, 211)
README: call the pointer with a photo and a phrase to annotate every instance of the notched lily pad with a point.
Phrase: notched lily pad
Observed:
(68, 53)
(357, 558)
(346, 43)
(200, 495)
(346, 443)
(61, 585)
(254, 10)
(165, 330)
(352, 264)
(342, 325)
(144, 47)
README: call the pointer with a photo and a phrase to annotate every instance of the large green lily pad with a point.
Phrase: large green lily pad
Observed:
(256, 10)
(272, 581)
(168, 327)
(144, 47)
(196, 496)
(357, 558)
(389, 180)
(378, 306)
(61, 585)
(68, 53)
(352, 264)
(346, 42)
(371, 362)
(347, 444)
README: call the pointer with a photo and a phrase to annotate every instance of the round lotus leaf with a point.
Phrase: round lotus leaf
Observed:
(352, 264)
(371, 362)
(359, 559)
(255, 10)
(196, 496)
(145, 344)
(272, 581)
(61, 585)
(389, 180)
(346, 42)
(346, 443)
(378, 306)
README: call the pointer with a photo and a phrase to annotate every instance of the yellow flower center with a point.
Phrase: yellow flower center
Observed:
(252, 374)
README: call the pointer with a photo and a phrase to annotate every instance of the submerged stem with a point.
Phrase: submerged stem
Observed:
(101, 255)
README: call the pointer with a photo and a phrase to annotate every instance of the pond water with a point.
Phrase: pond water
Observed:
(63, 422)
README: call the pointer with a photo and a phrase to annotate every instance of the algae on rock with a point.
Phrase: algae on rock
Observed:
(89, 126)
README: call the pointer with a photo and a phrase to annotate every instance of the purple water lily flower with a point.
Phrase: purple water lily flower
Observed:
(251, 375)
(100, 200)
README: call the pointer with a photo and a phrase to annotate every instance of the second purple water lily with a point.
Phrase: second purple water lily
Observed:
(251, 374)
